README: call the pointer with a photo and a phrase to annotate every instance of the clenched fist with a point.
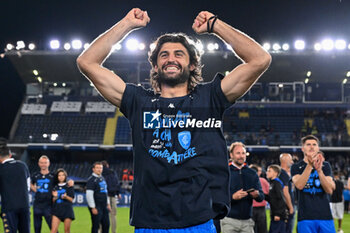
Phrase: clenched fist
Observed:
(137, 18)
(200, 22)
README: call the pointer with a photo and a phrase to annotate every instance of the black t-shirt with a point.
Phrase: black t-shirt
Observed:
(287, 181)
(43, 195)
(63, 208)
(181, 175)
(313, 201)
(14, 181)
(99, 186)
(337, 195)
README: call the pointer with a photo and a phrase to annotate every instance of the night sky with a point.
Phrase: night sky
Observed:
(39, 21)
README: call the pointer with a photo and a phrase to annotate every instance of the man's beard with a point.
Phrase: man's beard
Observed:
(180, 78)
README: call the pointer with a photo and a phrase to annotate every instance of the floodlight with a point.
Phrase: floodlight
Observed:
(318, 46)
(76, 44)
(116, 47)
(345, 80)
(280, 85)
(306, 81)
(31, 46)
(276, 46)
(285, 46)
(66, 46)
(308, 74)
(54, 136)
(299, 45)
(20, 45)
(142, 46)
(267, 46)
(86, 45)
(213, 46)
(54, 44)
(327, 44)
(55, 84)
(39, 79)
(35, 72)
(132, 44)
(9, 46)
(340, 44)
(63, 84)
(348, 74)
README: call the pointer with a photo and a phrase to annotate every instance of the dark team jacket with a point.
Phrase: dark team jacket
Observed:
(14, 178)
(112, 181)
(244, 178)
(43, 195)
(276, 199)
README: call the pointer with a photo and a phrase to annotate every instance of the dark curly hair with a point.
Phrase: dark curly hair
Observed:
(56, 175)
(195, 75)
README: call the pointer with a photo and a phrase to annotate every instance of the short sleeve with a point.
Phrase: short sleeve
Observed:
(70, 192)
(33, 179)
(284, 178)
(327, 170)
(218, 97)
(90, 185)
(295, 170)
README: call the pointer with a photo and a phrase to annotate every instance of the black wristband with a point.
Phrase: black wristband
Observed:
(210, 27)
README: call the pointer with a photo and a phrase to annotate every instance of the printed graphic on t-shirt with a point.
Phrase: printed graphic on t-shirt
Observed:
(103, 186)
(43, 185)
(179, 126)
(313, 185)
(60, 192)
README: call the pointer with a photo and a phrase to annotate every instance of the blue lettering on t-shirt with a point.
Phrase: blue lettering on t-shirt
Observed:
(43, 185)
(166, 135)
(174, 157)
(313, 185)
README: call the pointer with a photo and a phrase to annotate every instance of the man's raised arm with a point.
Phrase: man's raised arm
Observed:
(110, 85)
(256, 59)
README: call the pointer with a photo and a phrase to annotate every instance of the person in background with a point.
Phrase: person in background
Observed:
(244, 187)
(113, 188)
(62, 197)
(14, 192)
(337, 201)
(313, 181)
(278, 210)
(259, 208)
(286, 162)
(97, 199)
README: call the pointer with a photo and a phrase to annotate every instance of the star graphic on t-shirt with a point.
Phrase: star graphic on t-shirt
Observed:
(156, 115)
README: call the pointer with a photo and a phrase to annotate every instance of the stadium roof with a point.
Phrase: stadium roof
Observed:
(60, 66)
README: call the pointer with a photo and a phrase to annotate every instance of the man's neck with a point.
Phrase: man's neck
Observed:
(238, 166)
(285, 167)
(44, 171)
(172, 92)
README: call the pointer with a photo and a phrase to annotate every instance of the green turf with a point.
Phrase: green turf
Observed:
(82, 223)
